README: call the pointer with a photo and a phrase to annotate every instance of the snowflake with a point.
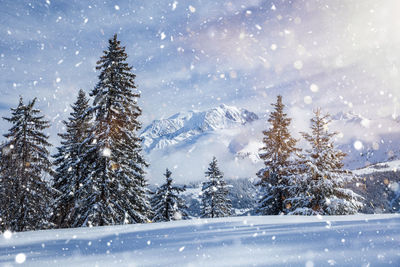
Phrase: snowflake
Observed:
(106, 152)
(20, 258)
(358, 145)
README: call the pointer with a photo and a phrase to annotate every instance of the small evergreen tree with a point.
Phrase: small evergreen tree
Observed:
(214, 197)
(70, 170)
(114, 191)
(166, 202)
(322, 186)
(24, 162)
(278, 155)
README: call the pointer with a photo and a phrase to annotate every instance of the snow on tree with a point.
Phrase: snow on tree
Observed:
(25, 195)
(166, 202)
(214, 195)
(70, 169)
(278, 155)
(322, 186)
(114, 189)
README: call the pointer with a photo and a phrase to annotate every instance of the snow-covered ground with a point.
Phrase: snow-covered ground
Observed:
(359, 240)
(390, 166)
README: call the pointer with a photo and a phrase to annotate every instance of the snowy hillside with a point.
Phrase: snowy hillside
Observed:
(390, 166)
(359, 240)
(185, 127)
(380, 185)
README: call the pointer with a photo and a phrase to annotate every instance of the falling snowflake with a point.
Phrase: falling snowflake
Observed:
(314, 88)
(307, 100)
(174, 5)
(163, 36)
(358, 145)
(20, 258)
(7, 234)
(106, 152)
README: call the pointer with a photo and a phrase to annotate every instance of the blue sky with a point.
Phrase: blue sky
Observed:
(341, 55)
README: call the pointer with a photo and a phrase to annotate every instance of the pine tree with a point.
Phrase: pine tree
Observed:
(68, 160)
(115, 189)
(166, 202)
(24, 163)
(278, 154)
(322, 189)
(214, 197)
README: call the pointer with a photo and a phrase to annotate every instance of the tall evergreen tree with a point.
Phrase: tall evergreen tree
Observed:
(70, 169)
(6, 187)
(278, 154)
(115, 187)
(214, 197)
(24, 163)
(166, 202)
(322, 186)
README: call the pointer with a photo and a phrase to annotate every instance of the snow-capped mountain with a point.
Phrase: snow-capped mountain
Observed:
(350, 117)
(186, 127)
(186, 141)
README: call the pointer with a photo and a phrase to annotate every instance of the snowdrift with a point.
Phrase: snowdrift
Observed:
(357, 240)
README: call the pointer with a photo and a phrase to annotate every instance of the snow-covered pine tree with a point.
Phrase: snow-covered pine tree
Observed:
(70, 169)
(323, 183)
(278, 154)
(24, 163)
(114, 189)
(6, 186)
(166, 202)
(214, 198)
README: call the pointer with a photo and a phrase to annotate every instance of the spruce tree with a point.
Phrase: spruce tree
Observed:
(115, 189)
(70, 169)
(166, 202)
(322, 186)
(24, 163)
(214, 197)
(278, 154)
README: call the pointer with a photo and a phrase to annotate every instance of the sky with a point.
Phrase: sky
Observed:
(338, 55)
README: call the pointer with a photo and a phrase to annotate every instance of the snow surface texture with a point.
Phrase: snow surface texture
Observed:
(358, 240)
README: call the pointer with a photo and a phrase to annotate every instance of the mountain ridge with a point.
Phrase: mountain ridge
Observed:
(190, 125)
